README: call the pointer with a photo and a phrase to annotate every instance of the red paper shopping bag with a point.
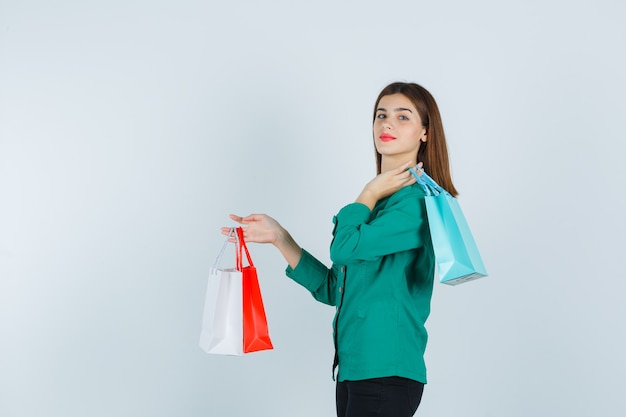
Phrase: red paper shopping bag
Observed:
(255, 331)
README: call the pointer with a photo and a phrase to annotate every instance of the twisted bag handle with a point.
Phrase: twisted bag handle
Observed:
(221, 253)
(428, 184)
(241, 246)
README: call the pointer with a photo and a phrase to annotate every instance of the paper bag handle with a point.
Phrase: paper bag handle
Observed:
(221, 253)
(428, 184)
(241, 246)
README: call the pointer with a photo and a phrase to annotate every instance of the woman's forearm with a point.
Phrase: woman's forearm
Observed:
(288, 247)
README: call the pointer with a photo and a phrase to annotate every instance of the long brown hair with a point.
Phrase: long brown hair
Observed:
(433, 153)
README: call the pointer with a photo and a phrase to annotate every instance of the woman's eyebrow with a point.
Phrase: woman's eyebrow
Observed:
(396, 109)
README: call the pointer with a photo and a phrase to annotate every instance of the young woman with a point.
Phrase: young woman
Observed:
(381, 279)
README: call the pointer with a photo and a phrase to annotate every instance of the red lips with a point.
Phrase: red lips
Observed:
(386, 137)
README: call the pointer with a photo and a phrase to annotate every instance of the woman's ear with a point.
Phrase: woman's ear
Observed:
(424, 136)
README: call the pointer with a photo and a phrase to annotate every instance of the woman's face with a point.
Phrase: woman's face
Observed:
(398, 130)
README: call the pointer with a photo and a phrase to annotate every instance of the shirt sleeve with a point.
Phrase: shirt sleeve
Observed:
(397, 227)
(316, 277)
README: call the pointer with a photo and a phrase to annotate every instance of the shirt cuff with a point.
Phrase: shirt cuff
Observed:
(309, 272)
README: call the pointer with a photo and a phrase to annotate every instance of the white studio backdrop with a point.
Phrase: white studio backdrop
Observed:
(129, 130)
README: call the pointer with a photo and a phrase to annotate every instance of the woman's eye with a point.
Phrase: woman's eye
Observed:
(381, 116)
(403, 117)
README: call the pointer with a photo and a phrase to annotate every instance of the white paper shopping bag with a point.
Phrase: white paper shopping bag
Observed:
(222, 332)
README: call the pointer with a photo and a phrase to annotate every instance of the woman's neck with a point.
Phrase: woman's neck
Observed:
(389, 163)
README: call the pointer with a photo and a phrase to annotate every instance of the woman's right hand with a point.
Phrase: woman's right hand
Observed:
(260, 228)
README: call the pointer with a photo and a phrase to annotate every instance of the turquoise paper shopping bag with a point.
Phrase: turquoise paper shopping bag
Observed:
(457, 256)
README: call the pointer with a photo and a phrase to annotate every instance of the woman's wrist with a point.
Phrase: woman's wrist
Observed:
(291, 251)
(368, 198)
(281, 237)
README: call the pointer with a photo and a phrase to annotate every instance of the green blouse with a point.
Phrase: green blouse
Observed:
(381, 282)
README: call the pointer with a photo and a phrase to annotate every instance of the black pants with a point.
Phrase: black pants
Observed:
(380, 397)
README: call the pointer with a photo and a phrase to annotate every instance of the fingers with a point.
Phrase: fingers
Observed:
(249, 218)
(405, 176)
(404, 167)
(236, 218)
(408, 178)
(404, 171)
(252, 218)
(253, 223)
(226, 231)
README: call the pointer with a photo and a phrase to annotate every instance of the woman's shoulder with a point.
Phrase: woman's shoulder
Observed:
(408, 195)
(410, 191)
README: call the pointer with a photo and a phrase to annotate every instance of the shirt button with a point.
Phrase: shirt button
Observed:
(343, 269)
(340, 289)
